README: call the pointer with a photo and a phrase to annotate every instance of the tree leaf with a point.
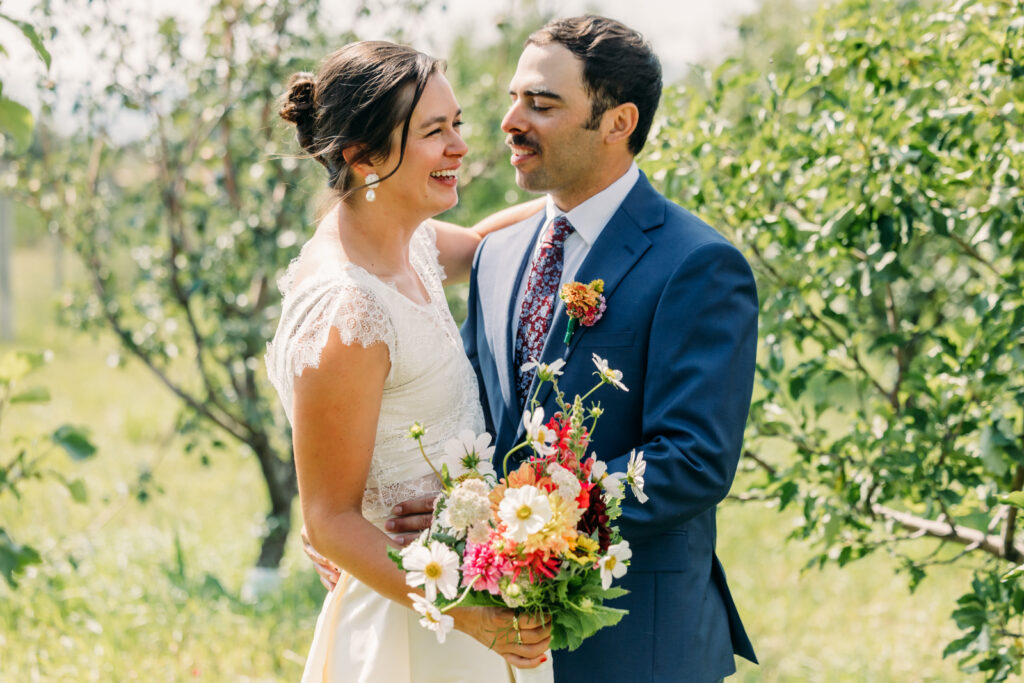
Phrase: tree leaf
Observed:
(14, 557)
(33, 37)
(75, 441)
(77, 490)
(32, 395)
(16, 120)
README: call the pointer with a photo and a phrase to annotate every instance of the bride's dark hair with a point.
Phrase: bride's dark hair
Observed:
(360, 94)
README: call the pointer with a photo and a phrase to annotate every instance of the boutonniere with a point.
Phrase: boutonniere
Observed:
(584, 303)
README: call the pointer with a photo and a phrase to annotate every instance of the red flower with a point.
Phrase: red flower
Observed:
(596, 519)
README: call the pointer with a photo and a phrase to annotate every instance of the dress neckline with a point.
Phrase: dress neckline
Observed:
(328, 265)
(391, 286)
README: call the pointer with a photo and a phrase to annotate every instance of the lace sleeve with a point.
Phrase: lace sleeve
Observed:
(307, 318)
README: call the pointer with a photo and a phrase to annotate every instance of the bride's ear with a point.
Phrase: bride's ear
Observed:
(360, 168)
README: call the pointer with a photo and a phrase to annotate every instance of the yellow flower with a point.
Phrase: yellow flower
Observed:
(559, 533)
(586, 550)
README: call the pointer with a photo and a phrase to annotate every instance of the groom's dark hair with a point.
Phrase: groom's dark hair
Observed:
(618, 66)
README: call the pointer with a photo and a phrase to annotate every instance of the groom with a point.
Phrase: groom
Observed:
(681, 325)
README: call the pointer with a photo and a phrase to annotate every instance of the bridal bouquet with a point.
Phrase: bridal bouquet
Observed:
(539, 539)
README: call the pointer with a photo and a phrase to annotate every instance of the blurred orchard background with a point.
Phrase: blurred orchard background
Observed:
(866, 155)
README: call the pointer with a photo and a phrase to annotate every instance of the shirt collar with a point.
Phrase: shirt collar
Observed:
(589, 218)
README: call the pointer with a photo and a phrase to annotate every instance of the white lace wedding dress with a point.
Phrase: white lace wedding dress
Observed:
(361, 636)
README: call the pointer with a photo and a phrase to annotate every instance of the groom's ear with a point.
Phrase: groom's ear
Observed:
(619, 122)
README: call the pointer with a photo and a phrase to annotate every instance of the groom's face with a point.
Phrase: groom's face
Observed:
(552, 150)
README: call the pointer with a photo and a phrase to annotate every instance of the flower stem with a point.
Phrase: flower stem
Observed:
(504, 463)
(586, 395)
(419, 442)
(463, 596)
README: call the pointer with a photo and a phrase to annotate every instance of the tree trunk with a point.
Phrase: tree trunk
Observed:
(282, 489)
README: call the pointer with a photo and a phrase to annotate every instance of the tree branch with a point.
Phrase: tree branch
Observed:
(1009, 550)
(993, 545)
(760, 463)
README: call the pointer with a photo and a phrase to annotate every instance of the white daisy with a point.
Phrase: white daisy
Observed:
(635, 475)
(545, 371)
(472, 451)
(608, 375)
(537, 434)
(435, 567)
(612, 483)
(433, 618)
(524, 511)
(613, 486)
(613, 565)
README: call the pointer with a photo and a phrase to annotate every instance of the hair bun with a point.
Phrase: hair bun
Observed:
(297, 105)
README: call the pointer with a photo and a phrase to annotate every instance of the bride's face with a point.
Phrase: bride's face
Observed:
(426, 181)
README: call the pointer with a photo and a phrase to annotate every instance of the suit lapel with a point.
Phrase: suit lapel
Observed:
(620, 245)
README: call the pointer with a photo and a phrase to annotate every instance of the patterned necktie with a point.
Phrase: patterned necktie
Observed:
(539, 302)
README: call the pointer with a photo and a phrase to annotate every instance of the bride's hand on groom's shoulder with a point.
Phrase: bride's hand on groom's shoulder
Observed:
(410, 518)
(524, 647)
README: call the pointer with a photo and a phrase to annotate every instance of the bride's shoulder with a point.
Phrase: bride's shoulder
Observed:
(320, 266)
(321, 292)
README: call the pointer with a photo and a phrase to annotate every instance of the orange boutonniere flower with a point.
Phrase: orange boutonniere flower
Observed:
(585, 304)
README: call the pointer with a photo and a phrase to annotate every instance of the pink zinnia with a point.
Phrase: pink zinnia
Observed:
(481, 560)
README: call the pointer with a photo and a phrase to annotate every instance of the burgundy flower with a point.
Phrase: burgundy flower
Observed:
(596, 519)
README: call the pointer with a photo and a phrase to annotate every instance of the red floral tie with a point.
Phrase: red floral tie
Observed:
(539, 302)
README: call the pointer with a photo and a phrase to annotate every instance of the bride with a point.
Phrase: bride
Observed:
(366, 346)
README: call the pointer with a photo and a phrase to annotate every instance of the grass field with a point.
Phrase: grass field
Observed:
(152, 593)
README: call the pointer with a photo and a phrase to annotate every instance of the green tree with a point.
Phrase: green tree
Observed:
(873, 177)
(183, 233)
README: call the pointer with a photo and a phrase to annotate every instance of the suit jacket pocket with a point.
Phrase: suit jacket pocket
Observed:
(666, 553)
(607, 339)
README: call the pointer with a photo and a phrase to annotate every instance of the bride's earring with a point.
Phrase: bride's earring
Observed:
(371, 182)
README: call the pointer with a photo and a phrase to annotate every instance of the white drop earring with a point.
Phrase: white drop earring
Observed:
(371, 182)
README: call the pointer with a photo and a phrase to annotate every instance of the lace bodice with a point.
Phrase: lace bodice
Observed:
(430, 380)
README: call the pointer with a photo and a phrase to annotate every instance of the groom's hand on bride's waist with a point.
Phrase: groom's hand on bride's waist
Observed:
(329, 574)
(410, 518)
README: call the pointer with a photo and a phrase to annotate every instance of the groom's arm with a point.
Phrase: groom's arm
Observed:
(456, 245)
(696, 392)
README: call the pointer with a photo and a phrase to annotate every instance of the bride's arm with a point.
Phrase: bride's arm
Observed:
(457, 244)
(335, 410)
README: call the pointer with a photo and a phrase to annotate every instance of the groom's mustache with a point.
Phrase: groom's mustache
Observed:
(522, 141)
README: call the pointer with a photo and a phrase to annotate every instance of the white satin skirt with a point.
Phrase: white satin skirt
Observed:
(362, 637)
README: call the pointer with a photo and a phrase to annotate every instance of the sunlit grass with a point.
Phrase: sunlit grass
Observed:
(153, 593)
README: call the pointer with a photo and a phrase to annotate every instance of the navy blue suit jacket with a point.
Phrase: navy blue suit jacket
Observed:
(681, 325)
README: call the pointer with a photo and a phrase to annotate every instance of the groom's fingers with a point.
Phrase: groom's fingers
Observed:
(409, 518)
(415, 506)
(408, 523)
(329, 574)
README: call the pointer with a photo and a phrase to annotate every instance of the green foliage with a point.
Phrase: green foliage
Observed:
(26, 459)
(875, 184)
(184, 233)
(15, 118)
